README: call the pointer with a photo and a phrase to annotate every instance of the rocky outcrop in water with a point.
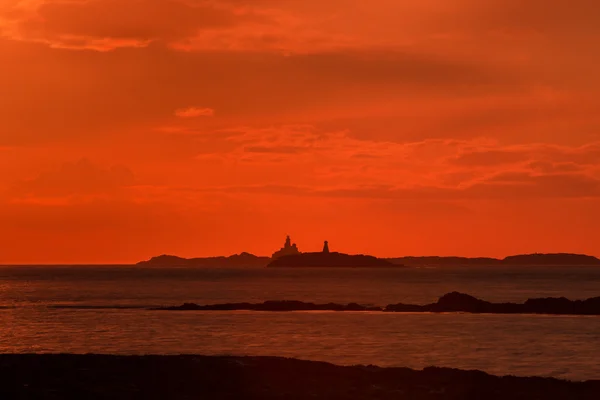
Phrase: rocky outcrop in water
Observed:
(53, 377)
(460, 302)
(451, 302)
(283, 305)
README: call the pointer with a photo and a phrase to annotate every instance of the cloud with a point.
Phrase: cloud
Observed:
(332, 104)
(548, 167)
(81, 178)
(303, 144)
(489, 158)
(192, 112)
(450, 169)
(524, 186)
(275, 149)
(190, 25)
(114, 23)
(537, 155)
(502, 186)
(110, 91)
(548, 17)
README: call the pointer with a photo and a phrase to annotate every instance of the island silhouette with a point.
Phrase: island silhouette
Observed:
(237, 260)
(325, 258)
(286, 257)
(289, 256)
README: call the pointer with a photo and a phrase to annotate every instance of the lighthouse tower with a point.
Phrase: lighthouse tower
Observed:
(326, 247)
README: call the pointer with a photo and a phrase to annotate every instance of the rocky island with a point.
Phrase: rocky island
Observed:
(290, 257)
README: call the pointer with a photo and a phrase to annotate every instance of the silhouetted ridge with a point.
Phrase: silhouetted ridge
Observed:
(444, 261)
(237, 260)
(66, 376)
(551, 259)
(559, 259)
(451, 302)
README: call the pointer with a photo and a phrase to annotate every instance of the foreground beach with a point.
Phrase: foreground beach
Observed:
(184, 377)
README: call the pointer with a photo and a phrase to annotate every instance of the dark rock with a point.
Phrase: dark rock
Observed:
(460, 302)
(271, 305)
(451, 302)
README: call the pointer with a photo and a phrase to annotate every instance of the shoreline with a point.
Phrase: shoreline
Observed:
(58, 376)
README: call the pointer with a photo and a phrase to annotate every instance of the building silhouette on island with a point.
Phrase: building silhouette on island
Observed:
(288, 249)
(290, 256)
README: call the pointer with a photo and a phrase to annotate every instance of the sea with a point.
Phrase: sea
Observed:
(106, 309)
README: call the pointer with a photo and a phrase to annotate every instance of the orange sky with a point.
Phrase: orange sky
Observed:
(132, 128)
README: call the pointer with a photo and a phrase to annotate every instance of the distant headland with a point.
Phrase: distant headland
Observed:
(536, 259)
(289, 256)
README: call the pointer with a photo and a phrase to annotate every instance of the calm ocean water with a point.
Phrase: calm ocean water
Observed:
(109, 315)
